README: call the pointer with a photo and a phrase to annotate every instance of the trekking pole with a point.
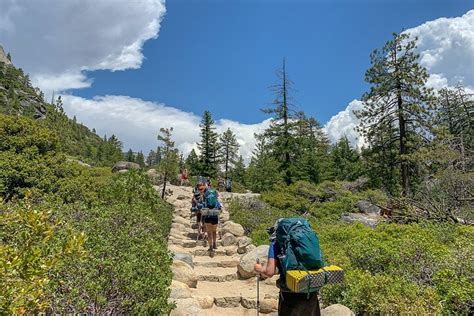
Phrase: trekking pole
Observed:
(258, 290)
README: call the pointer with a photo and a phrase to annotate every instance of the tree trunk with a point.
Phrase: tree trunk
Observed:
(286, 128)
(403, 147)
(164, 187)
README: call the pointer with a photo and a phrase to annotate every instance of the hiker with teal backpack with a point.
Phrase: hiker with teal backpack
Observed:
(210, 209)
(293, 246)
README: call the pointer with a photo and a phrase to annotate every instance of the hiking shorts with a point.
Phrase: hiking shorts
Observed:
(295, 304)
(211, 219)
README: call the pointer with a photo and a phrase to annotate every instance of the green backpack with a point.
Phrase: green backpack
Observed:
(211, 198)
(299, 245)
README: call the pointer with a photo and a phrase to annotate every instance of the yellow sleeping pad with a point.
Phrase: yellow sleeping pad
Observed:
(298, 280)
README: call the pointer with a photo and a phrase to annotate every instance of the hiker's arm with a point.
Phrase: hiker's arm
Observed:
(267, 270)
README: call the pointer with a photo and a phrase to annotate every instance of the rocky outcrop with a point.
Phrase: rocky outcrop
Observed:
(368, 208)
(125, 165)
(247, 262)
(184, 273)
(233, 228)
(3, 57)
(337, 310)
(368, 220)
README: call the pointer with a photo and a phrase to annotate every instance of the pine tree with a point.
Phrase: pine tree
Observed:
(238, 172)
(150, 159)
(129, 156)
(140, 159)
(262, 173)
(346, 164)
(455, 111)
(397, 103)
(192, 162)
(280, 131)
(169, 163)
(228, 151)
(208, 146)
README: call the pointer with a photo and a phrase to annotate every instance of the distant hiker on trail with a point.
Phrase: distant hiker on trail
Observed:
(228, 185)
(209, 182)
(197, 202)
(184, 177)
(289, 239)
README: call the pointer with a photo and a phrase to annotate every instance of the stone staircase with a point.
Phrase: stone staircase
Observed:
(213, 286)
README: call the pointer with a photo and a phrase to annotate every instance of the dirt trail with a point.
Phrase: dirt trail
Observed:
(210, 286)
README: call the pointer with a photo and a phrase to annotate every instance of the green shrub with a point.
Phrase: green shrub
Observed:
(32, 251)
(128, 268)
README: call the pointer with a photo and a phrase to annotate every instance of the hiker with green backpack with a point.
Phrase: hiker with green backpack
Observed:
(210, 209)
(294, 246)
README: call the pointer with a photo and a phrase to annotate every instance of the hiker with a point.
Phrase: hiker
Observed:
(289, 303)
(209, 182)
(210, 209)
(197, 202)
(228, 185)
(184, 177)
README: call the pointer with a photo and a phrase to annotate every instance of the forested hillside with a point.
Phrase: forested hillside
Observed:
(19, 97)
(73, 238)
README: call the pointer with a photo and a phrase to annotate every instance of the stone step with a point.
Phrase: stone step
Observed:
(216, 274)
(236, 311)
(220, 251)
(239, 293)
(217, 261)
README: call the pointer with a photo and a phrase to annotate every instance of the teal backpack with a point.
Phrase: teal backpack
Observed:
(299, 245)
(211, 199)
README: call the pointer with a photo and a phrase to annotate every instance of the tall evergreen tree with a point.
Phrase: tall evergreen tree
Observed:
(130, 156)
(397, 103)
(228, 151)
(140, 159)
(192, 162)
(150, 159)
(262, 173)
(169, 163)
(238, 172)
(208, 146)
(280, 131)
(346, 161)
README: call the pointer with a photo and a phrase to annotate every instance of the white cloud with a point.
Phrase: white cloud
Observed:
(56, 40)
(136, 122)
(446, 48)
(344, 124)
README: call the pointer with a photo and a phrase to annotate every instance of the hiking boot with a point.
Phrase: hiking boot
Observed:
(214, 246)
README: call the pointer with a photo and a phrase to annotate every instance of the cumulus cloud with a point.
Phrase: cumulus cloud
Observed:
(56, 41)
(344, 124)
(136, 122)
(446, 48)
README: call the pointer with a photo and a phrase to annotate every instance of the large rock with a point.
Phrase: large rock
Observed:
(180, 293)
(205, 302)
(235, 229)
(125, 165)
(153, 175)
(181, 220)
(268, 306)
(228, 239)
(183, 272)
(3, 57)
(367, 220)
(368, 208)
(187, 307)
(247, 261)
(243, 243)
(337, 310)
(185, 257)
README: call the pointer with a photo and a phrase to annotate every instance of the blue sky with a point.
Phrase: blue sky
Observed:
(131, 67)
(222, 55)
